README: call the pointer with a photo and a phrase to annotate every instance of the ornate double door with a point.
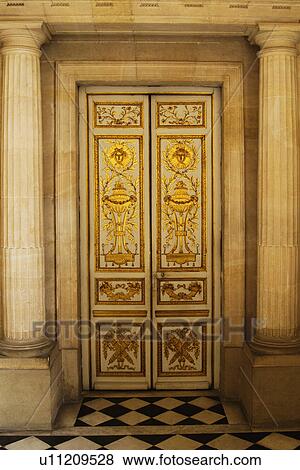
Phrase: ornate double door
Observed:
(150, 238)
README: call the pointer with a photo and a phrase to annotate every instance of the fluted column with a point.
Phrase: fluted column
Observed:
(22, 273)
(277, 329)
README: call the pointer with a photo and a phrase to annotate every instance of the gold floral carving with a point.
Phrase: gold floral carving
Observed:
(177, 114)
(181, 176)
(118, 115)
(181, 201)
(119, 291)
(181, 349)
(182, 291)
(120, 349)
(119, 203)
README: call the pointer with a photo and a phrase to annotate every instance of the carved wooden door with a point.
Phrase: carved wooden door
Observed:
(120, 242)
(150, 223)
(181, 220)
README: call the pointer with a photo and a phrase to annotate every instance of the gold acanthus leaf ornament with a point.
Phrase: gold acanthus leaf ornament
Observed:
(118, 115)
(174, 292)
(120, 291)
(181, 114)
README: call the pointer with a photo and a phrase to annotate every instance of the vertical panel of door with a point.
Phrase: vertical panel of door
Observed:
(119, 241)
(182, 240)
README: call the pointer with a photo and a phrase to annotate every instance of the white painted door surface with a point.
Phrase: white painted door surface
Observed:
(149, 236)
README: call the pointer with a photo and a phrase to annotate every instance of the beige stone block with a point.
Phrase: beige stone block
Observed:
(30, 391)
(270, 389)
(230, 365)
(72, 375)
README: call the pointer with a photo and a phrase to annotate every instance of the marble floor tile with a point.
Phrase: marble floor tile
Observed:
(178, 443)
(229, 442)
(29, 443)
(279, 441)
(98, 404)
(208, 417)
(128, 443)
(181, 441)
(78, 443)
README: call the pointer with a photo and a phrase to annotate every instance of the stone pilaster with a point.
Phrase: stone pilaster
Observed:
(21, 230)
(278, 192)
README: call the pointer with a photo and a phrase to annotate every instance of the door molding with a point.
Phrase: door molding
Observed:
(70, 75)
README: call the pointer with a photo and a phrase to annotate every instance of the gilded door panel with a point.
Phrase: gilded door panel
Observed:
(175, 291)
(181, 203)
(119, 203)
(181, 234)
(119, 241)
(182, 351)
(120, 349)
(150, 320)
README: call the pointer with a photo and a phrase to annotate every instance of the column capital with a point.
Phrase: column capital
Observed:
(274, 37)
(22, 36)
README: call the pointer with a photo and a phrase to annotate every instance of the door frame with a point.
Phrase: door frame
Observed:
(216, 199)
(69, 76)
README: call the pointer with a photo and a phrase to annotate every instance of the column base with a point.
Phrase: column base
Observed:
(270, 389)
(31, 391)
(37, 348)
(262, 345)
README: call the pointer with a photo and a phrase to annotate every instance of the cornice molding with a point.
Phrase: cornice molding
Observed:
(229, 17)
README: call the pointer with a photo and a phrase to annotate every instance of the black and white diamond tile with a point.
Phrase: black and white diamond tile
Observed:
(213, 441)
(151, 411)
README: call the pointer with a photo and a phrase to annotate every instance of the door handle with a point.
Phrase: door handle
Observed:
(158, 275)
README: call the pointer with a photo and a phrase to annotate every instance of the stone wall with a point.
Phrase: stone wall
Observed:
(129, 48)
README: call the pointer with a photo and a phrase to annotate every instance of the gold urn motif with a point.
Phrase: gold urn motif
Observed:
(180, 204)
(180, 201)
(119, 202)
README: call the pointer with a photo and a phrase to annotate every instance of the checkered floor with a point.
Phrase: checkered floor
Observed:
(228, 441)
(152, 411)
